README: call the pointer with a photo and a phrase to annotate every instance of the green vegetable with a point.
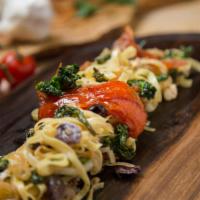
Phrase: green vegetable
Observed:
(184, 52)
(68, 76)
(99, 76)
(174, 73)
(142, 43)
(84, 160)
(162, 77)
(3, 164)
(36, 178)
(118, 143)
(85, 8)
(146, 89)
(76, 113)
(51, 87)
(29, 132)
(103, 57)
(65, 79)
(169, 53)
(120, 1)
(187, 51)
(107, 141)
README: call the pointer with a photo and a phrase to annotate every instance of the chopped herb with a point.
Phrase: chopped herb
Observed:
(106, 141)
(41, 125)
(36, 178)
(103, 57)
(65, 79)
(68, 76)
(29, 132)
(99, 76)
(3, 164)
(83, 160)
(162, 77)
(85, 8)
(118, 143)
(187, 51)
(146, 89)
(183, 52)
(76, 113)
(51, 87)
(169, 53)
(142, 43)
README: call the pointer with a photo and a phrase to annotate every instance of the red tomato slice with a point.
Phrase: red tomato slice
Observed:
(121, 101)
(174, 63)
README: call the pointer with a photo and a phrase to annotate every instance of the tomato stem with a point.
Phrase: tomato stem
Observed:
(19, 56)
(7, 73)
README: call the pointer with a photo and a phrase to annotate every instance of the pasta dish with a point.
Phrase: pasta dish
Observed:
(90, 116)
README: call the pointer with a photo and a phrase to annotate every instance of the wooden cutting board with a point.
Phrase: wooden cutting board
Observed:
(170, 157)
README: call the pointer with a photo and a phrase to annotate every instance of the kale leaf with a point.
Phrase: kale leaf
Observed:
(184, 52)
(65, 79)
(99, 77)
(103, 57)
(68, 76)
(146, 89)
(162, 77)
(118, 143)
(36, 178)
(187, 51)
(3, 164)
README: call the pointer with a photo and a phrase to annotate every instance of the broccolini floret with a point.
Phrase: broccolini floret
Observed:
(64, 80)
(85, 8)
(146, 89)
(119, 143)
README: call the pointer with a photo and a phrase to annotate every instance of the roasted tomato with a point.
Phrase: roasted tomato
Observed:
(127, 39)
(121, 101)
(16, 68)
(174, 63)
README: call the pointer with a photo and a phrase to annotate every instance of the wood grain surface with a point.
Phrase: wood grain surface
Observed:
(170, 157)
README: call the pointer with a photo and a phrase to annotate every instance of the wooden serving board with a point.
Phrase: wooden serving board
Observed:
(169, 157)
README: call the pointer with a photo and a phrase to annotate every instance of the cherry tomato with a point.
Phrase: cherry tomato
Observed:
(16, 68)
(174, 63)
(121, 101)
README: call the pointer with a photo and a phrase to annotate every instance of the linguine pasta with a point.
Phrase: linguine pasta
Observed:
(64, 153)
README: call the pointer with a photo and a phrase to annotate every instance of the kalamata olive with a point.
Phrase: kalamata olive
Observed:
(68, 133)
(58, 189)
(99, 109)
(126, 171)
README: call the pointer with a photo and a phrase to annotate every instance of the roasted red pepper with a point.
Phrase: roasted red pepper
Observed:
(121, 101)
